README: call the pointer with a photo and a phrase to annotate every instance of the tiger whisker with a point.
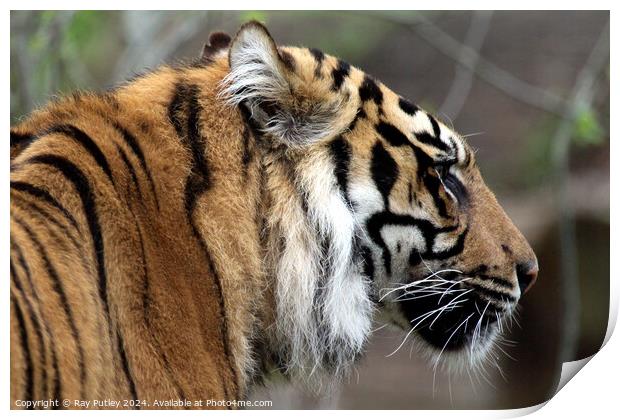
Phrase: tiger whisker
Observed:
(425, 295)
(499, 347)
(500, 324)
(472, 134)
(428, 289)
(501, 372)
(432, 277)
(423, 316)
(449, 338)
(471, 380)
(461, 295)
(484, 374)
(456, 283)
(516, 320)
(476, 334)
(413, 284)
(380, 328)
(418, 289)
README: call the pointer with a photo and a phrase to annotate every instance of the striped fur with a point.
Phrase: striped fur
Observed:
(186, 234)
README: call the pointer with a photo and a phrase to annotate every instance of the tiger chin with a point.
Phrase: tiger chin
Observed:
(203, 227)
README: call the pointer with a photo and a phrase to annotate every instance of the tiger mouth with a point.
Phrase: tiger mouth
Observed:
(464, 317)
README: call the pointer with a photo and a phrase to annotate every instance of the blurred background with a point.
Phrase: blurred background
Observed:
(530, 91)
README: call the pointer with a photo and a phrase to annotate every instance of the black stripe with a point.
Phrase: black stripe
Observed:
(23, 340)
(392, 134)
(64, 302)
(185, 98)
(130, 168)
(455, 249)
(246, 155)
(198, 181)
(434, 187)
(494, 294)
(22, 261)
(288, 60)
(378, 221)
(81, 184)
(317, 54)
(369, 90)
(407, 106)
(45, 196)
(57, 386)
(126, 369)
(185, 101)
(384, 171)
(360, 115)
(175, 108)
(319, 57)
(36, 325)
(87, 142)
(340, 73)
(396, 138)
(20, 139)
(468, 158)
(341, 154)
(498, 280)
(435, 125)
(133, 143)
(426, 138)
(369, 264)
(35, 210)
(147, 319)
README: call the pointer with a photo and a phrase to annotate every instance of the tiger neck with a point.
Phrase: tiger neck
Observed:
(317, 308)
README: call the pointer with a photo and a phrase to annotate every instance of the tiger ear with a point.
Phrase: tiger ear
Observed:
(218, 43)
(262, 79)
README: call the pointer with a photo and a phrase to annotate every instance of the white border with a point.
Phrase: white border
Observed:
(307, 5)
(593, 394)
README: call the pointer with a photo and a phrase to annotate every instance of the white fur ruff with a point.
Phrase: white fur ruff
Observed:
(324, 310)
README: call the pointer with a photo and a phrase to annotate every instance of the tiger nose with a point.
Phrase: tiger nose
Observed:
(526, 275)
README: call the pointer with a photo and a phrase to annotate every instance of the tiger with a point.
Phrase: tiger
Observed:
(196, 231)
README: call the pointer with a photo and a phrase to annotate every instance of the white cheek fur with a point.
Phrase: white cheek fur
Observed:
(401, 241)
(324, 310)
(444, 241)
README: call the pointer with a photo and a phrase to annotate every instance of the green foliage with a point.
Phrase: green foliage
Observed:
(351, 36)
(587, 131)
(253, 15)
(348, 34)
(587, 128)
(536, 155)
(84, 29)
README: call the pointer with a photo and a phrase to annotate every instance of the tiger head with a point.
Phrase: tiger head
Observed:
(377, 210)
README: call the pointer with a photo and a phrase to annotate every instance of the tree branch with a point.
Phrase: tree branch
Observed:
(461, 85)
(581, 98)
(141, 29)
(485, 69)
